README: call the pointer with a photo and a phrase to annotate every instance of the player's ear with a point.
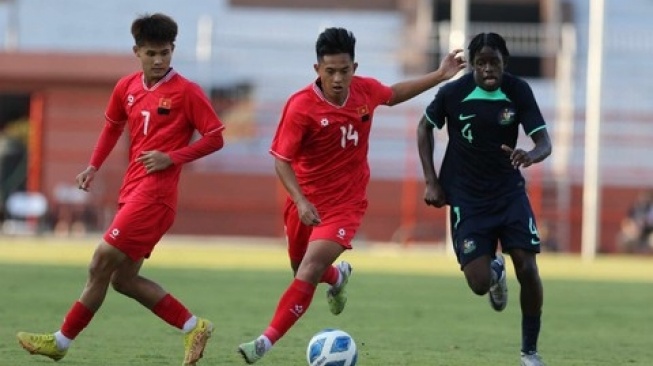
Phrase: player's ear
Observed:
(135, 49)
(355, 67)
(316, 67)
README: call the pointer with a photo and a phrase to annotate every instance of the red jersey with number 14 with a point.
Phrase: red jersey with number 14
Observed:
(327, 144)
(162, 117)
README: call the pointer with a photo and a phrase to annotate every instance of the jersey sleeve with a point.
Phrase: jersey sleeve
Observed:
(379, 92)
(115, 111)
(435, 112)
(200, 111)
(106, 142)
(201, 114)
(530, 115)
(116, 118)
(290, 132)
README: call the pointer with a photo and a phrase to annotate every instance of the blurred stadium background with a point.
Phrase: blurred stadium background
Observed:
(60, 60)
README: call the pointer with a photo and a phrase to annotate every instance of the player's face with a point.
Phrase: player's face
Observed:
(155, 60)
(488, 68)
(336, 72)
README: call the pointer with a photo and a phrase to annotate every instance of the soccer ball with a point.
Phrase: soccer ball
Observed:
(331, 347)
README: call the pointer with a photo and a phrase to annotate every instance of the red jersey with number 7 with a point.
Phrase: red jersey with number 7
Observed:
(162, 117)
(327, 144)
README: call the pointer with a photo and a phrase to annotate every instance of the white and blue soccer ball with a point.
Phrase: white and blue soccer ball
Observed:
(331, 347)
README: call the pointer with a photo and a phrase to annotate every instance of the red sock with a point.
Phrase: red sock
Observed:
(172, 311)
(293, 304)
(330, 276)
(76, 320)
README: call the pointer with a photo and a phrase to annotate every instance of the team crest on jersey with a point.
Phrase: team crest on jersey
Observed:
(165, 104)
(468, 246)
(506, 116)
(364, 112)
(130, 100)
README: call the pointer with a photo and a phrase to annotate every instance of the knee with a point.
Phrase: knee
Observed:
(120, 285)
(98, 273)
(480, 285)
(102, 265)
(526, 269)
(478, 275)
(311, 271)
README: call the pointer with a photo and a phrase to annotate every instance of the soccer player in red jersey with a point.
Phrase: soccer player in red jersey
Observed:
(320, 151)
(161, 110)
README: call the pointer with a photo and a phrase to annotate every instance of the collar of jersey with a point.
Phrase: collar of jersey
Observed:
(481, 94)
(164, 79)
(320, 94)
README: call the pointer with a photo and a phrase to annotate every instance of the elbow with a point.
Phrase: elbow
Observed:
(544, 153)
(217, 142)
(220, 143)
(548, 151)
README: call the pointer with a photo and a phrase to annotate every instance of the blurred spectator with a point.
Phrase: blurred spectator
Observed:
(13, 160)
(72, 214)
(637, 227)
(25, 213)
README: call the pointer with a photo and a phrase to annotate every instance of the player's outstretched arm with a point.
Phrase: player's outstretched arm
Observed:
(449, 67)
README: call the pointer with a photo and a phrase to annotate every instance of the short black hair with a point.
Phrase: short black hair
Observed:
(154, 28)
(333, 41)
(492, 40)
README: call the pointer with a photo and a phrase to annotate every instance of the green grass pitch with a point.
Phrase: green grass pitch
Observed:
(406, 307)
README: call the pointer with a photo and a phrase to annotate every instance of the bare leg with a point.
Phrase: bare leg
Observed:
(106, 260)
(320, 255)
(532, 294)
(478, 275)
(531, 298)
(128, 282)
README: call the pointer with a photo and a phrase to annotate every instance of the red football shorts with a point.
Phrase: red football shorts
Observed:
(339, 224)
(138, 227)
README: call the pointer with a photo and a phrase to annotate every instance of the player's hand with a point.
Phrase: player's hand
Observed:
(452, 63)
(518, 157)
(434, 195)
(85, 178)
(307, 212)
(154, 161)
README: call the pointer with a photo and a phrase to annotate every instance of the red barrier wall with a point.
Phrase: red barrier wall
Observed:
(71, 99)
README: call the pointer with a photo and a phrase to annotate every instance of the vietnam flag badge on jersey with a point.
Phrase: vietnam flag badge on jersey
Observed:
(364, 112)
(165, 104)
